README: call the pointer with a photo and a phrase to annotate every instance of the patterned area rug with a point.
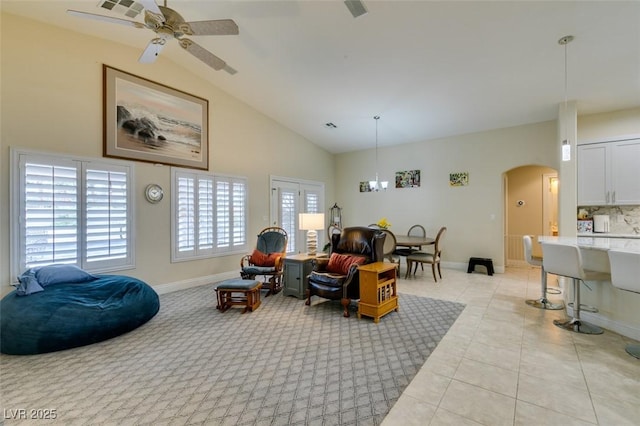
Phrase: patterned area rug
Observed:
(283, 364)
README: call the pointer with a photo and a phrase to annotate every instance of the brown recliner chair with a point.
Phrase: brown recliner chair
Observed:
(361, 242)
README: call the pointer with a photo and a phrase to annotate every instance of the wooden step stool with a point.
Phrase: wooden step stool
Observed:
(482, 261)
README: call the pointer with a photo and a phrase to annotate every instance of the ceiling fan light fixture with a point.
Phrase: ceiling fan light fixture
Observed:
(167, 24)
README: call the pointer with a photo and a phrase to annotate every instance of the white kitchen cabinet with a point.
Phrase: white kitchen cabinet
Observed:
(609, 173)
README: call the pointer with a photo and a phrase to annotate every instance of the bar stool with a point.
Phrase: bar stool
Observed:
(543, 302)
(566, 260)
(625, 275)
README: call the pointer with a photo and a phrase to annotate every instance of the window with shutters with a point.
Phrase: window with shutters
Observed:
(209, 215)
(71, 210)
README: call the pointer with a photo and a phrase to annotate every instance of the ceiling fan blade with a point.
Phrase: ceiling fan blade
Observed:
(105, 19)
(152, 51)
(203, 54)
(213, 27)
(152, 6)
(229, 69)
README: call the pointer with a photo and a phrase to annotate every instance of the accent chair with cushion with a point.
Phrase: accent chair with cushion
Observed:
(336, 277)
(267, 259)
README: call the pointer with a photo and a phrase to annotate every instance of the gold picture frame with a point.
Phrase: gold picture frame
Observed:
(151, 122)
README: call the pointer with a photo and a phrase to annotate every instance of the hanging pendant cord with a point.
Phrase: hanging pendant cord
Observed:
(564, 41)
(566, 78)
(377, 117)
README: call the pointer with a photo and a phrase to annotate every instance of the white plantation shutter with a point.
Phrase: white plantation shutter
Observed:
(289, 215)
(106, 214)
(312, 201)
(239, 211)
(209, 214)
(223, 214)
(313, 204)
(49, 214)
(205, 214)
(185, 217)
(71, 211)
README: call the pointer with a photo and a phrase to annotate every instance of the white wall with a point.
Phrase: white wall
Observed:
(474, 214)
(51, 100)
(595, 127)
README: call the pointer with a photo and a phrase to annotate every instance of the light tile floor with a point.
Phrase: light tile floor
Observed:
(505, 363)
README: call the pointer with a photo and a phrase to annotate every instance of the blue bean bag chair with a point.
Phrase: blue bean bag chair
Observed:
(71, 311)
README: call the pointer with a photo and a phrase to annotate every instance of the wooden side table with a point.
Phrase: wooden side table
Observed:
(296, 270)
(378, 290)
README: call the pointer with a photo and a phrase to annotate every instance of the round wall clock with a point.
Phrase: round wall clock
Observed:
(153, 192)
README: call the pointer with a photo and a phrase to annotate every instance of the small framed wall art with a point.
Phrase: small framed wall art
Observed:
(365, 187)
(459, 179)
(408, 179)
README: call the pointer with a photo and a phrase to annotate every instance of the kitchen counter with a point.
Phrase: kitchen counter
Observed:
(607, 235)
(599, 242)
(618, 310)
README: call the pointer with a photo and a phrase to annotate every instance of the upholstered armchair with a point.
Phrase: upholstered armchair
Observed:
(336, 277)
(267, 259)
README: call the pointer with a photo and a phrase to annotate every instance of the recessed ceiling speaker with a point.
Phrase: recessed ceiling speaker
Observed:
(356, 7)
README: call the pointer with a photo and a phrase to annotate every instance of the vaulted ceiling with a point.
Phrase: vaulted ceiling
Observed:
(429, 69)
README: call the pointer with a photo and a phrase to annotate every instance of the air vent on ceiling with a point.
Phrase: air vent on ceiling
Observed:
(356, 7)
(128, 8)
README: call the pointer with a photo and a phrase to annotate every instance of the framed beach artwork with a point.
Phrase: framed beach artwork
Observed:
(147, 121)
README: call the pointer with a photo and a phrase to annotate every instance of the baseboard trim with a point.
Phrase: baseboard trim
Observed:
(194, 282)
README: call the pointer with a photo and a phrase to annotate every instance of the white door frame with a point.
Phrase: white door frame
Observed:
(304, 188)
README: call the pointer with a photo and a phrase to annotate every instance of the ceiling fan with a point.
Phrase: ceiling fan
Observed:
(167, 24)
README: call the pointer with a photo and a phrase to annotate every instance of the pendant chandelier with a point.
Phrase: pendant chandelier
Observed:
(376, 185)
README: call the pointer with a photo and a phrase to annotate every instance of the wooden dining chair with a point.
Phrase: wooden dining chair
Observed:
(389, 249)
(431, 258)
(414, 231)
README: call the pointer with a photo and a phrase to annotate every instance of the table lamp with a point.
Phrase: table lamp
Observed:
(311, 222)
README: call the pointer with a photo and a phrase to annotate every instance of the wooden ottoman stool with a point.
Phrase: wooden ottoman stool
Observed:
(240, 292)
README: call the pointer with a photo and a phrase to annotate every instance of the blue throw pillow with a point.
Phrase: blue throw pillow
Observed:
(28, 284)
(56, 274)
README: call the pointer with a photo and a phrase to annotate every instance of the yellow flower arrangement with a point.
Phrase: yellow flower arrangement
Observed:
(383, 223)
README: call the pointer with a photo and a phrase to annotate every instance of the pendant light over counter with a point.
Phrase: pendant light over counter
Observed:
(566, 144)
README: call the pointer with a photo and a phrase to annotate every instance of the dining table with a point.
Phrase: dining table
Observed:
(413, 241)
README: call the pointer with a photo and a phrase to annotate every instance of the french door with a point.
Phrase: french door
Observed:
(289, 197)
